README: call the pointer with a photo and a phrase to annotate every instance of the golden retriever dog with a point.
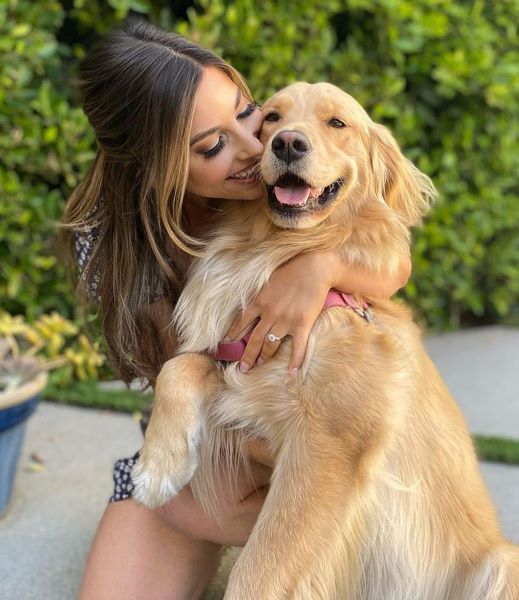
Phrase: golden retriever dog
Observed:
(375, 492)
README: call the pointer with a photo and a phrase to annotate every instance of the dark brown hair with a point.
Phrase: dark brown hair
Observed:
(138, 89)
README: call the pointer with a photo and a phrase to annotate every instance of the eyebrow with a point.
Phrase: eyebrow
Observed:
(204, 134)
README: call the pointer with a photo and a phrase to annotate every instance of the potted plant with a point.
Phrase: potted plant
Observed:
(27, 353)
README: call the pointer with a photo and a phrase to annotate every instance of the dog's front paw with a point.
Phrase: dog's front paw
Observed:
(166, 464)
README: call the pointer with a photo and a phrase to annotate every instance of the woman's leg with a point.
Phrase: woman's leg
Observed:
(137, 555)
(163, 554)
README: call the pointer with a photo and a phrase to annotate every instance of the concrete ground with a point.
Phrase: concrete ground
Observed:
(481, 369)
(46, 533)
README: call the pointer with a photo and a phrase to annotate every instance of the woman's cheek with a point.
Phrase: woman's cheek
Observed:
(205, 175)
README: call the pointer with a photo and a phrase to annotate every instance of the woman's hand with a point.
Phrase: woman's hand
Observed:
(288, 305)
(239, 509)
(293, 298)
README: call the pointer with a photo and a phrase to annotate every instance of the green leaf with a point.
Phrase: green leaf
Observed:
(20, 30)
(50, 134)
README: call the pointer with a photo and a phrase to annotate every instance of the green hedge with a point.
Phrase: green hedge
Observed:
(444, 76)
(46, 144)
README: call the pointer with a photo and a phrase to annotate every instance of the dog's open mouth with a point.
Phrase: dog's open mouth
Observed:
(291, 194)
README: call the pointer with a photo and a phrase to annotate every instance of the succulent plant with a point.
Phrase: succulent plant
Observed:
(15, 372)
(50, 342)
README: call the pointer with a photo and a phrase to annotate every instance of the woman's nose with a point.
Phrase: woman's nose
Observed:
(251, 146)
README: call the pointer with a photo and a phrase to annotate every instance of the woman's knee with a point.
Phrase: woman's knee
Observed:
(136, 555)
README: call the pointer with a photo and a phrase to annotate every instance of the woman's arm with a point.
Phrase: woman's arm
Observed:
(293, 298)
(354, 279)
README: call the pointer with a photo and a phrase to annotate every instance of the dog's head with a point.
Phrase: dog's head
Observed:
(323, 152)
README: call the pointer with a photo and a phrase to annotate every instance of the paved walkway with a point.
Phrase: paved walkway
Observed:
(481, 369)
(46, 533)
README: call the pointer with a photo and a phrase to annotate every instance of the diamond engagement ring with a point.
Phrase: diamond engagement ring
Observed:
(273, 338)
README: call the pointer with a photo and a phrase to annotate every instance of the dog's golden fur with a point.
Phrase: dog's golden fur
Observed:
(376, 493)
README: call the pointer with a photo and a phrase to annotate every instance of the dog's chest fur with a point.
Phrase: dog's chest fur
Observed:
(240, 260)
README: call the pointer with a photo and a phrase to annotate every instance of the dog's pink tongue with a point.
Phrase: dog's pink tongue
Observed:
(292, 196)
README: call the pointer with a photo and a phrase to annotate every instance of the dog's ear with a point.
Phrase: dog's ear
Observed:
(395, 179)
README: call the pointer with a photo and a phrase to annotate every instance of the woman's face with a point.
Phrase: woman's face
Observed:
(225, 149)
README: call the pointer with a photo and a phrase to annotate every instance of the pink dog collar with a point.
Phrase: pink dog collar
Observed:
(233, 351)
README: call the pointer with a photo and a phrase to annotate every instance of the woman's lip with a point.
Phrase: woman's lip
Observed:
(244, 170)
(249, 180)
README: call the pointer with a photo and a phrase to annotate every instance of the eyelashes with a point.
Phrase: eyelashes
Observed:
(249, 109)
(215, 149)
(220, 145)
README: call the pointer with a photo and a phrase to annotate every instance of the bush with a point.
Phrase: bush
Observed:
(443, 76)
(46, 145)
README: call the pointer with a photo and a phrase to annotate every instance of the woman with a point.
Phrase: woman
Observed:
(177, 135)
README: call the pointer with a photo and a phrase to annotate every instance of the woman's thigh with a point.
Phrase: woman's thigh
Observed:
(137, 555)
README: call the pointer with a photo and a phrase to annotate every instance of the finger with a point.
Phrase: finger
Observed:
(299, 344)
(244, 323)
(269, 347)
(254, 346)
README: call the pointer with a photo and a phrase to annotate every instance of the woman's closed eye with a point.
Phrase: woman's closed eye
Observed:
(249, 109)
(220, 145)
(216, 149)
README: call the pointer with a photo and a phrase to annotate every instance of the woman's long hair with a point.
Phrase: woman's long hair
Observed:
(138, 89)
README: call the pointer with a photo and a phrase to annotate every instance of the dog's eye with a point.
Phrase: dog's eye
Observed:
(272, 116)
(337, 123)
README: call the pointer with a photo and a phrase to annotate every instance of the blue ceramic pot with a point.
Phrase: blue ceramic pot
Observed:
(13, 421)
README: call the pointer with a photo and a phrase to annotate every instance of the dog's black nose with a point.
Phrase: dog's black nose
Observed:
(290, 146)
